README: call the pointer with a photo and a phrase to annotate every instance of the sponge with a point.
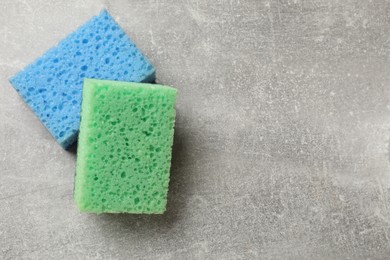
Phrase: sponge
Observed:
(124, 147)
(52, 84)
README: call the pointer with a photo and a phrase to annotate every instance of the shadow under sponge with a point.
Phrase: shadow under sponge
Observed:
(52, 84)
(124, 147)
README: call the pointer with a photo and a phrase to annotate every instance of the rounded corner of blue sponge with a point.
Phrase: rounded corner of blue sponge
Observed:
(67, 142)
(150, 77)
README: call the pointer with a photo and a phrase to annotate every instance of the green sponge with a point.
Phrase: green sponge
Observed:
(124, 147)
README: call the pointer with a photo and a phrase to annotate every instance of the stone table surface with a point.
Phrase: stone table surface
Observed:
(282, 135)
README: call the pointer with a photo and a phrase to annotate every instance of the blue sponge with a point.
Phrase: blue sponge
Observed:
(52, 84)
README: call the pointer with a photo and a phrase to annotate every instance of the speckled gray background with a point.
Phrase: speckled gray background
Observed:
(282, 136)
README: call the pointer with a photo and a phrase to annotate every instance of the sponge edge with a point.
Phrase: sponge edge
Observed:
(124, 147)
(51, 85)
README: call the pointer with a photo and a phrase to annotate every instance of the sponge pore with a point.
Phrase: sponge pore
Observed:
(52, 84)
(124, 147)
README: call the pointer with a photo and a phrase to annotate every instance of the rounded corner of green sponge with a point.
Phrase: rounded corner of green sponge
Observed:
(87, 81)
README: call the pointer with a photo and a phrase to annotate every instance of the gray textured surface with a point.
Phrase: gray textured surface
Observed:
(282, 135)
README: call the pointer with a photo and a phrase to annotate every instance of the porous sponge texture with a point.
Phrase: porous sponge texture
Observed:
(124, 147)
(52, 84)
